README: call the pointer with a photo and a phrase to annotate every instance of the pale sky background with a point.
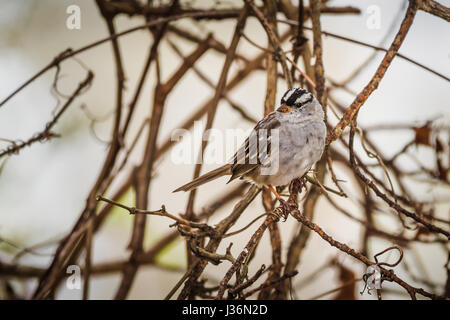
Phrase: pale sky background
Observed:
(43, 189)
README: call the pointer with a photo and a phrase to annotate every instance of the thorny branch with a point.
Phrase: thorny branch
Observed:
(47, 134)
(353, 109)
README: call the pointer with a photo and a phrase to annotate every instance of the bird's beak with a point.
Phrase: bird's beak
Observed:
(284, 109)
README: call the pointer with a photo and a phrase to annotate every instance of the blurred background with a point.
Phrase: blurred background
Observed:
(43, 189)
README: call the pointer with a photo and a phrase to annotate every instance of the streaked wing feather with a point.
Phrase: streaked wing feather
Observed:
(256, 148)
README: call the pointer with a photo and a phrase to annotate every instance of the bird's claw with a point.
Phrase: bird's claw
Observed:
(286, 207)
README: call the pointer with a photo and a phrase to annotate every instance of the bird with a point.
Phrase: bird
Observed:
(283, 146)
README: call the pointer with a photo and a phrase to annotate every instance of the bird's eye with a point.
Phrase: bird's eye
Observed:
(303, 100)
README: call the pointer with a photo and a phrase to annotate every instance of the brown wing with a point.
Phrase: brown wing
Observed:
(256, 148)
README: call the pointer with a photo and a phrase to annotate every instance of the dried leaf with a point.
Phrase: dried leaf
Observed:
(347, 279)
(423, 135)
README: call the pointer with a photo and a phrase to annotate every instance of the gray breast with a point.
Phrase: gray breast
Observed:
(300, 146)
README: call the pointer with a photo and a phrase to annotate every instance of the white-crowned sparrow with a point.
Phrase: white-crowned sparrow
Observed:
(283, 146)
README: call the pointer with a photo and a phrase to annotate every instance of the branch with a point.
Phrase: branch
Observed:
(68, 53)
(434, 8)
(245, 253)
(274, 40)
(368, 45)
(389, 274)
(362, 97)
(221, 228)
(47, 134)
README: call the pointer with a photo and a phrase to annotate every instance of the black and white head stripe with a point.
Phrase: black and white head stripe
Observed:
(296, 97)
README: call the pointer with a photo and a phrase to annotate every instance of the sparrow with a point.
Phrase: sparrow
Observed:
(283, 146)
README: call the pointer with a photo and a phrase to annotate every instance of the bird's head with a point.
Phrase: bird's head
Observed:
(296, 99)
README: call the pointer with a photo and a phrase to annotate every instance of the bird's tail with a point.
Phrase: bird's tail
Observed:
(219, 172)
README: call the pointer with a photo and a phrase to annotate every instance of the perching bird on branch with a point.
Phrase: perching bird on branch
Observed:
(283, 146)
